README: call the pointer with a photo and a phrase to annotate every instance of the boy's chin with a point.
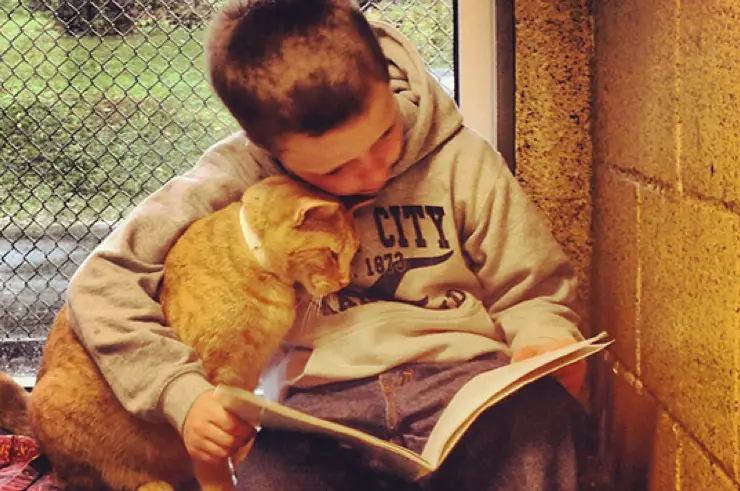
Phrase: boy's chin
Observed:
(371, 191)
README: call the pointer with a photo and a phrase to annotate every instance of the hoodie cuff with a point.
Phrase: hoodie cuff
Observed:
(179, 396)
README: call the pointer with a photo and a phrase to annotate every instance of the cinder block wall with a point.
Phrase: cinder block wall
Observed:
(666, 256)
(553, 109)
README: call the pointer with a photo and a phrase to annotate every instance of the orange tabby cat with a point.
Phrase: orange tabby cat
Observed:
(231, 302)
(13, 406)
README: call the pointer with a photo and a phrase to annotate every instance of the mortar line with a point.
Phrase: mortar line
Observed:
(664, 189)
(638, 282)
(679, 455)
(677, 94)
(736, 417)
(679, 425)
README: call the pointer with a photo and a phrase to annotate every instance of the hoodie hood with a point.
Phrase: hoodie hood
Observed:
(430, 115)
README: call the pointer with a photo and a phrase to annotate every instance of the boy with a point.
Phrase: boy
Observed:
(456, 273)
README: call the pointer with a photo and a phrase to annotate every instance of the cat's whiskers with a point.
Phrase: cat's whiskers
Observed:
(307, 307)
(303, 300)
(313, 309)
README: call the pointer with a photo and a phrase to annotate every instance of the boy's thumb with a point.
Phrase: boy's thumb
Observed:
(524, 353)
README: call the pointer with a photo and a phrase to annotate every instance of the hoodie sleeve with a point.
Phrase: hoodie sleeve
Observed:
(113, 295)
(529, 286)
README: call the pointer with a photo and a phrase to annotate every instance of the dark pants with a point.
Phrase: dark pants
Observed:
(527, 442)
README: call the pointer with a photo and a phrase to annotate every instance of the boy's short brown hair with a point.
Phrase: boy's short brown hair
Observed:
(293, 66)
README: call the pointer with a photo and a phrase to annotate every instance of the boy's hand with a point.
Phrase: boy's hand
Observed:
(570, 377)
(210, 432)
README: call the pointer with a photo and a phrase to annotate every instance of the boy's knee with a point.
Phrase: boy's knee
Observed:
(542, 409)
(287, 461)
(546, 397)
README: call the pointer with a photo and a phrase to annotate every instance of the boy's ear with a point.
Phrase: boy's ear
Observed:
(313, 207)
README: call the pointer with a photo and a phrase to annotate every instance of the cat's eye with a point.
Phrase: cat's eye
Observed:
(334, 255)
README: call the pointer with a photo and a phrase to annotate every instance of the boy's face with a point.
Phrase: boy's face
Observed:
(354, 158)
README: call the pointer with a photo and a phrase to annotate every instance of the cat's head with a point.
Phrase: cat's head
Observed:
(305, 236)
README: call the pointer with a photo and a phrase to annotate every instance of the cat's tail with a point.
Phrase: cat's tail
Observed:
(13, 406)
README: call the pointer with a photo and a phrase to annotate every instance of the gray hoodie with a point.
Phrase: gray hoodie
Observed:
(455, 261)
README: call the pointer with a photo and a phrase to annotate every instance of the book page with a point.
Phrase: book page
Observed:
(259, 411)
(478, 394)
(488, 388)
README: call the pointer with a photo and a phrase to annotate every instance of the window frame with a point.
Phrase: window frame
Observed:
(485, 71)
(476, 84)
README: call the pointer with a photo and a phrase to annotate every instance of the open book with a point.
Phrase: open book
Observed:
(480, 393)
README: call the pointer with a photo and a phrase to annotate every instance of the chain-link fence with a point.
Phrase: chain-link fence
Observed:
(102, 101)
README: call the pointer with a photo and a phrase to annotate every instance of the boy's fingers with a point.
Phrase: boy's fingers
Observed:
(219, 437)
(524, 353)
(208, 451)
(238, 429)
(227, 421)
(244, 437)
(530, 351)
(243, 432)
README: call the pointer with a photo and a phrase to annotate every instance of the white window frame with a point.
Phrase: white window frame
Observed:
(476, 37)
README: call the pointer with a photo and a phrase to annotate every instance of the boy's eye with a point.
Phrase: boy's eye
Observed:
(384, 137)
(334, 172)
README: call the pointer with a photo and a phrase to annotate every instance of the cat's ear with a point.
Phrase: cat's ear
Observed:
(313, 207)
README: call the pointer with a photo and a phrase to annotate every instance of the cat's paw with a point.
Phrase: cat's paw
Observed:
(156, 486)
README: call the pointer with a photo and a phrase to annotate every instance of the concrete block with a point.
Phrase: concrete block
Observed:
(553, 114)
(698, 472)
(690, 316)
(570, 221)
(553, 99)
(663, 462)
(615, 262)
(632, 416)
(710, 98)
(636, 86)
